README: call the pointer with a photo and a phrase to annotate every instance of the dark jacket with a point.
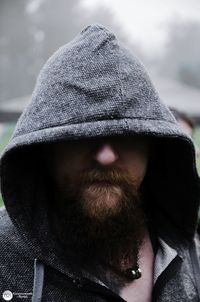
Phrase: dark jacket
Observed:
(94, 87)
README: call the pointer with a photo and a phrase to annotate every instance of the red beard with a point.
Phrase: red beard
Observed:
(101, 216)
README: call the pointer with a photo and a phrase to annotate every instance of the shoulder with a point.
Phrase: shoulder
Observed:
(16, 265)
(5, 223)
(11, 241)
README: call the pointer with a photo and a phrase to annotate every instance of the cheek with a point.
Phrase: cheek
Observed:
(65, 166)
(137, 167)
(69, 167)
(142, 168)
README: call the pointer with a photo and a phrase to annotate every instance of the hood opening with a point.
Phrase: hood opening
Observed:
(172, 189)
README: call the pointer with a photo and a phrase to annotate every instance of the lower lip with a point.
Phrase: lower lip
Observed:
(103, 184)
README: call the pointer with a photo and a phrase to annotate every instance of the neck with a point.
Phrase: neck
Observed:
(141, 290)
(116, 280)
(129, 262)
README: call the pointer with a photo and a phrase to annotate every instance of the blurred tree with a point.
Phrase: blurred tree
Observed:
(15, 41)
(182, 59)
(31, 30)
(61, 21)
(189, 73)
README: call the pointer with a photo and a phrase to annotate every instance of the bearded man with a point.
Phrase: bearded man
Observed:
(100, 185)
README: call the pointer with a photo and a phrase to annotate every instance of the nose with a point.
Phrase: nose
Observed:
(105, 155)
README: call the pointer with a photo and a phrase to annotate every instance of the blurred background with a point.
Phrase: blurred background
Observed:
(165, 35)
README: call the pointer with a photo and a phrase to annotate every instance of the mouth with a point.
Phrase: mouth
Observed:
(103, 184)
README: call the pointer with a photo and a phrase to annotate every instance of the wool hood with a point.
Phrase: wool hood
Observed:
(94, 87)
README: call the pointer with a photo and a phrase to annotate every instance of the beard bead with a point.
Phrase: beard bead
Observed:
(134, 273)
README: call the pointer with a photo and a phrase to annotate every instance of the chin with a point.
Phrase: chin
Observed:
(101, 200)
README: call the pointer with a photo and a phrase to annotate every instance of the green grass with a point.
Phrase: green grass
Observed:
(7, 132)
(6, 136)
(1, 202)
(196, 137)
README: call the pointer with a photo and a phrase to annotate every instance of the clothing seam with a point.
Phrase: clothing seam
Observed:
(119, 76)
(93, 121)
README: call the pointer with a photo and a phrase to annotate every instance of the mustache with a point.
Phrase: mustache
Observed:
(111, 176)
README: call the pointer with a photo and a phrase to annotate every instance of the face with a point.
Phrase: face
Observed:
(100, 211)
(96, 169)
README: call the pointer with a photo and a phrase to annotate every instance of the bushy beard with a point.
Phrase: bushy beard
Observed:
(101, 217)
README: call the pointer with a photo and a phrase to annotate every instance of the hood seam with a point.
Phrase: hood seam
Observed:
(99, 120)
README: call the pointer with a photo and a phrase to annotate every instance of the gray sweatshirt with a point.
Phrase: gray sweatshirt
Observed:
(94, 87)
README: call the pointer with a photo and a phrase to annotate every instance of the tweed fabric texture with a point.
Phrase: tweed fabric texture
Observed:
(94, 87)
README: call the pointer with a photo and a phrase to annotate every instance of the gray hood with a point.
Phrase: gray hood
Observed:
(94, 87)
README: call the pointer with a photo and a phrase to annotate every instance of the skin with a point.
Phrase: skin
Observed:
(128, 154)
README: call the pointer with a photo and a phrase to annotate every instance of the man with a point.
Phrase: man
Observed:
(186, 123)
(99, 184)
